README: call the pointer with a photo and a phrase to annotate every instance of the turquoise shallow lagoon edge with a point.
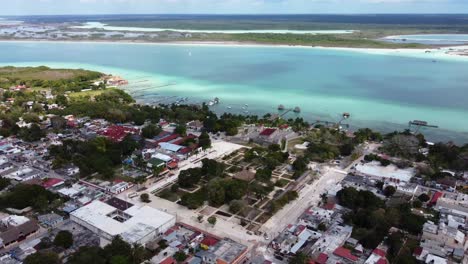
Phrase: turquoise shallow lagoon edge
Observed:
(381, 89)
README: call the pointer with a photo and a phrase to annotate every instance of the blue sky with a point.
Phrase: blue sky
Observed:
(45, 7)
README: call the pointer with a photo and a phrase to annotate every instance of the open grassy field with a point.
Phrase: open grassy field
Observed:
(42, 73)
(44, 77)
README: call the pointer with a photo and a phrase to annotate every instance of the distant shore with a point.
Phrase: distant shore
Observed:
(449, 52)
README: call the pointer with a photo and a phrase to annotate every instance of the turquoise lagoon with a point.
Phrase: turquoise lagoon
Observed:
(380, 89)
(430, 39)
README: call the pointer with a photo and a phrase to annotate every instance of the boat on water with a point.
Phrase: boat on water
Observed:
(214, 101)
(297, 109)
(229, 107)
(281, 107)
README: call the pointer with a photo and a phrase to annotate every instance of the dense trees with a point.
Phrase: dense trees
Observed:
(150, 131)
(237, 206)
(144, 197)
(204, 140)
(97, 155)
(212, 220)
(398, 249)
(212, 168)
(263, 175)
(42, 258)
(279, 203)
(190, 177)
(118, 251)
(299, 258)
(4, 182)
(59, 80)
(33, 133)
(372, 219)
(24, 195)
(115, 96)
(193, 200)
(354, 199)
(63, 239)
(424, 197)
(389, 190)
(181, 129)
(448, 156)
(364, 134)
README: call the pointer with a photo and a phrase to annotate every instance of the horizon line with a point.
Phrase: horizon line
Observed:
(227, 14)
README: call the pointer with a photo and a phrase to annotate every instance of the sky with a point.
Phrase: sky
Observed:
(57, 7)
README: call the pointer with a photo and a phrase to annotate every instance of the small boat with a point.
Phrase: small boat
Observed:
(281, 107)
(229, 107)
(246, 105)
(214, 101)
(297, 109)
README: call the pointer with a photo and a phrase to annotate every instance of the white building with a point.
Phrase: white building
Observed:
(135, 224)
(390, 173)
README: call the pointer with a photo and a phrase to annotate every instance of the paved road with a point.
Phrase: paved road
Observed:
(308, 196)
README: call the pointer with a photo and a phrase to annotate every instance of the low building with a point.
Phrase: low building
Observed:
(385, 173)
(444, 236)
(226, 251)
(50, 220)
(118, 187)
(196, 125)
(135, 224)
(169, 147)
(15, 228)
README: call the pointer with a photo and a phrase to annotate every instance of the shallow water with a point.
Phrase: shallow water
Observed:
(430, 39)
(382, 90)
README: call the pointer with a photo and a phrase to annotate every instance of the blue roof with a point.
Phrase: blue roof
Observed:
(170, 147)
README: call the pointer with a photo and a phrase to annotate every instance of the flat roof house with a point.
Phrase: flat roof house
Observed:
(135, 224)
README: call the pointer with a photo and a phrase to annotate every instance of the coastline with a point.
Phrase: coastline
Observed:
(446, 52)
(266, 102)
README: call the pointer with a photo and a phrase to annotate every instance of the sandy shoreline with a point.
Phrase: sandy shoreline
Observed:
(449, 52)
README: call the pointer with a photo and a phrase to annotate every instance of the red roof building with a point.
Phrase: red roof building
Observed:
(382, 261)
(345, 253)
(169, 260)
(185, 151)
(52, 182)
(379, 252)
(172, 165)
(322, 258)
(417, 251)
(209, 241)
(118, 133)
(329, 206)
(435, 197)
(267, 132)
(299, 230)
